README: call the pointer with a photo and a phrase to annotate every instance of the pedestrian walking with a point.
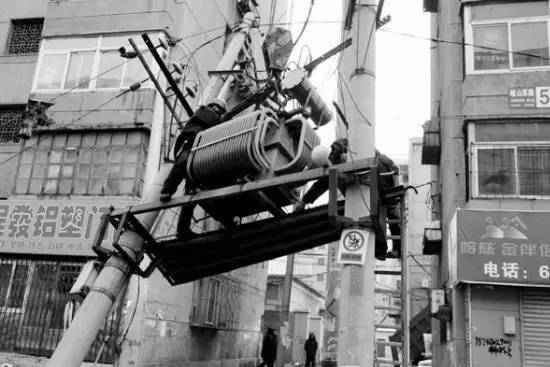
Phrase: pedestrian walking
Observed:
(269, 349)
(311, 350)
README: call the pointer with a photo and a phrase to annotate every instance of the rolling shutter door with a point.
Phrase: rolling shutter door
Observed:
(535, 323)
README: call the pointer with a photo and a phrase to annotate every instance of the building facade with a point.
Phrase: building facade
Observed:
(489, 141)
(109, 137)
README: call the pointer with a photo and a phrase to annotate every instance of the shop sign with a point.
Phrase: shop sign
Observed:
(529, 97)
(503, 247)
(55, 227)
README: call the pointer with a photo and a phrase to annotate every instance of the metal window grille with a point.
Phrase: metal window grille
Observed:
(511, 170)
(11, 120)
(25, 36)
(216, 302)
(35, 309)
(93, 163)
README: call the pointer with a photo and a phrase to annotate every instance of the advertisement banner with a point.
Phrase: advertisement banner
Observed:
(54, 227)
(497, 246)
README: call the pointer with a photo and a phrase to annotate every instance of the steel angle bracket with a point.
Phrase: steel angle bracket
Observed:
(128, 221)
(334, 178)
(102, 253)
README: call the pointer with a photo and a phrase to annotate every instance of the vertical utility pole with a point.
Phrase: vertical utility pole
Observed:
(357, 84)
(284, 315)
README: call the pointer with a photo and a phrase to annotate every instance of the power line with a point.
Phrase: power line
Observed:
(123, 339)
(419, 264)
(95, 109)
(368, 43)
(305, 23)
(353, 100)
(106, 102)
(463, 43)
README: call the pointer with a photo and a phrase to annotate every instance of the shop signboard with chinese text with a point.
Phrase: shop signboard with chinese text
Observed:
(55, 227)
(495, 246)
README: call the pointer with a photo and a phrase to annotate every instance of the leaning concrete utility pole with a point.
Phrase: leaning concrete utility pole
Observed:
(115, 274)
(356, 311)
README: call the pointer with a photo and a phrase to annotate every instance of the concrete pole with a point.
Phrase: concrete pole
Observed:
(357, 79)
(93, 312)
(230, 56)
(284, 316)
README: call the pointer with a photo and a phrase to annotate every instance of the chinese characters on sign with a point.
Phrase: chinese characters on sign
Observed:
(529, 97)
(503, 246)
(353, 247)
(51, 226)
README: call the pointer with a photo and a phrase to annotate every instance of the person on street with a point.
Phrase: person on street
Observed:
(269, 349)
(310, 347)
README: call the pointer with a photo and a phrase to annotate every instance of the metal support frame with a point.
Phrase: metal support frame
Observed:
(167, 74)
(125, 219)
(156, 83)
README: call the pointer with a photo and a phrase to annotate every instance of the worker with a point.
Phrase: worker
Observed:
(388, 174)
(388, 178)
(204, 117)
(337, 155)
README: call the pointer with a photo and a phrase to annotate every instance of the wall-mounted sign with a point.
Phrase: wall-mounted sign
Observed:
(529, 97)
(57, 227)
(502, 246)
(353, 246)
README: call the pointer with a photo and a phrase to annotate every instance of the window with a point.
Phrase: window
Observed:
(216, 302)
(212, 301)
(34, 295)
(320, 277)
(321, 261)
(507, 37)
(515, 164)
(272, 291)
(380, 348)
(14, 282)
(11, 120)
(89, 63)
(25, 36)
(92, 163)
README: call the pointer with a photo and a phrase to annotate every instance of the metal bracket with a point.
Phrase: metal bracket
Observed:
(128, 221)
(334, 176)
(102, 253)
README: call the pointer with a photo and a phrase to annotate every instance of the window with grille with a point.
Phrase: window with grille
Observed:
(510, 160)
(34, 306)
(11, 120)
(25, 36)
(91, 163)
(216, 302)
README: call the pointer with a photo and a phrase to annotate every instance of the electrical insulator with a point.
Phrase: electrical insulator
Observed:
(297, 85)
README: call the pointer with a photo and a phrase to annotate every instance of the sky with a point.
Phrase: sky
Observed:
(402, 68)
